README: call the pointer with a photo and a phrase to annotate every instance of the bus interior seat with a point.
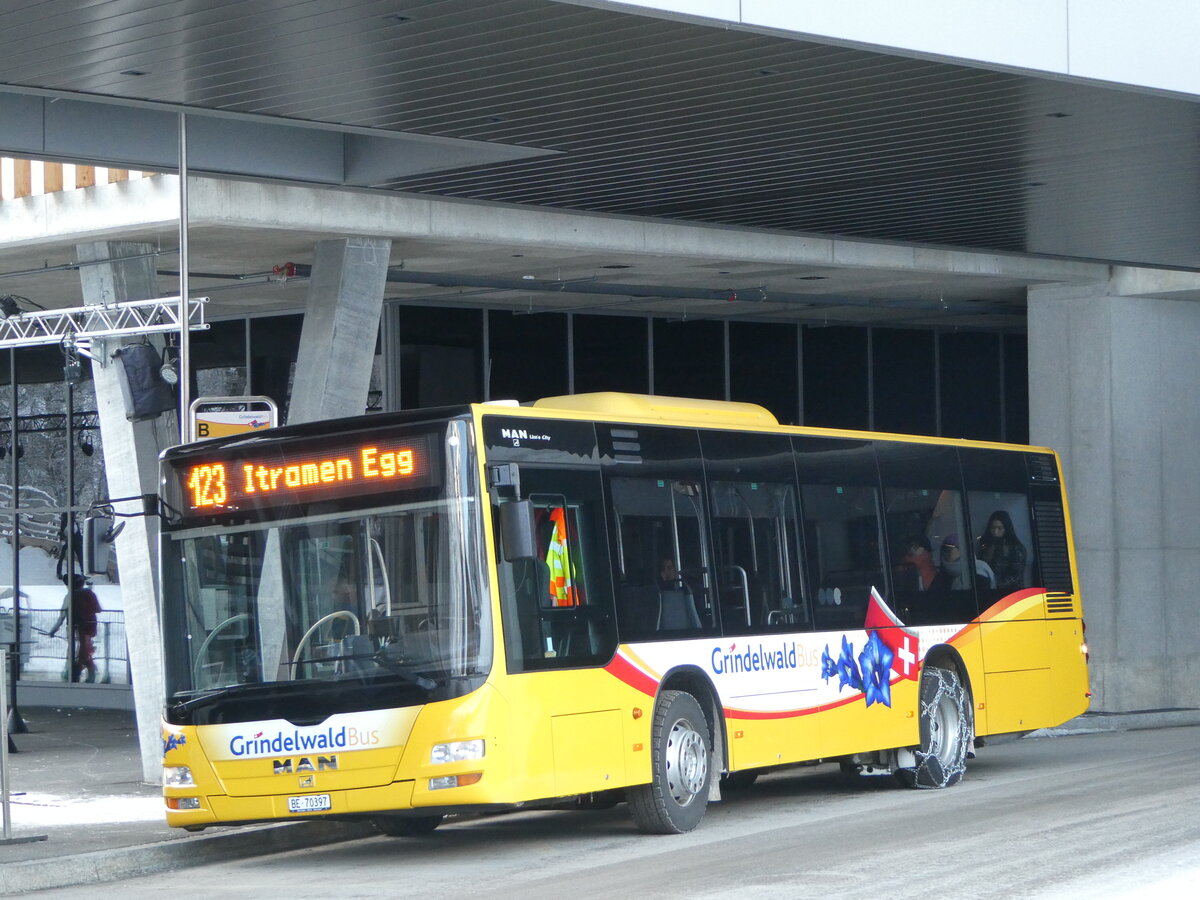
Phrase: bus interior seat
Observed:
(677, 611)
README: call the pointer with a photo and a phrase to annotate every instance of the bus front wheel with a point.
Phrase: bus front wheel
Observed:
(681, 760)
(945, 731)
(406, 826)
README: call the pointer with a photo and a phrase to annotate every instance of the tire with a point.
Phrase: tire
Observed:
(945, 731)
(681, 749)
(406, 826)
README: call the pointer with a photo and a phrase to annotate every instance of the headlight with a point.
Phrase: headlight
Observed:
(456, 750)
(177, 776)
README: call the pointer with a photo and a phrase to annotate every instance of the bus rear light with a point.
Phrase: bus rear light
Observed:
(451, 781)
(456, 751)
(182, 803)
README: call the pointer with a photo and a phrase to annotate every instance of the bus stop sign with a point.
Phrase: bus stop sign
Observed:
(220, 416)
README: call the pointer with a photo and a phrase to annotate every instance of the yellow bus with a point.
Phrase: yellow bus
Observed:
(594, 599)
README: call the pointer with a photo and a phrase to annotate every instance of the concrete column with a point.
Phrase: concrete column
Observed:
(1113, 387)
(337, 343)
(131, 465)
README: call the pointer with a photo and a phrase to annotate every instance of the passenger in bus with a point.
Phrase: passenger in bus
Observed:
(952, 571)
(1003, 551)
(676, 605)
(916, 571)
(668, 574)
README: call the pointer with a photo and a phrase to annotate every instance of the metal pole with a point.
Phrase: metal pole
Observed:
(4, 749)
(5, 812)
(185, 355)
(13, 720)
(72, 625)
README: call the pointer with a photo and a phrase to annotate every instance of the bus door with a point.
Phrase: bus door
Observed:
(557, 615)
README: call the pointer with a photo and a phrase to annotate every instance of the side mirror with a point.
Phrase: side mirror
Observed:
(98, 536)
(517, 533)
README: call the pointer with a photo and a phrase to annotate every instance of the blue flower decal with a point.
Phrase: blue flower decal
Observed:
(876, 661)
(848, 674)
(828, 666)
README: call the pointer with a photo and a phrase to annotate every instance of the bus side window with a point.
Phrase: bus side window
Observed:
(755, 535)
(557, 610)
(660, 558)
(843, 533)
(1000, 529)
(931, 556)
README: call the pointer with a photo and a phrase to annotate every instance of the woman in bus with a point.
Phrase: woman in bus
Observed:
(1003, 551)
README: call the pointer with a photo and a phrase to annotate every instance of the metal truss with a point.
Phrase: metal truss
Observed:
(135, 317)
(50, 423)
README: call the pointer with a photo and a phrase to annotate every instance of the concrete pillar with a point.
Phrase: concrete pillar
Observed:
(337, 343)
(1113, 387)
(131, 465)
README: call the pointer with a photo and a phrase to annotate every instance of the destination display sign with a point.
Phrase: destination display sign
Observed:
(282, 474)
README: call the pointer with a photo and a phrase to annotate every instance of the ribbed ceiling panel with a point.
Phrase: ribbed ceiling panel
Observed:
(663, 118)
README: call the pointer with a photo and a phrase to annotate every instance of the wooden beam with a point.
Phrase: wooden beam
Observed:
(85, 176)
(22, 178)
(115, 175)
(52, 177)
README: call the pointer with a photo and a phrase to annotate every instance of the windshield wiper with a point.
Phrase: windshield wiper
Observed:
(389, 662)
(381, 658)
(181, 707)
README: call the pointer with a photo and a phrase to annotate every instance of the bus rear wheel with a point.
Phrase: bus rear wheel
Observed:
(681, 761)
(945, 731)
(406, 826)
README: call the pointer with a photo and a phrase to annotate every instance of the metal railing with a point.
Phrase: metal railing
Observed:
(47, 656)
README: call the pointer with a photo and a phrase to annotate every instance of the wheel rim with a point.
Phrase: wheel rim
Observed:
(687, 762)
(943, 731)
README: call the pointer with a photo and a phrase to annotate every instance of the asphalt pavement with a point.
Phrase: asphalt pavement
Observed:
(76, 779)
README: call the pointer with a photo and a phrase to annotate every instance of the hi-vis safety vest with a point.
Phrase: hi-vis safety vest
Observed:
(558, 558)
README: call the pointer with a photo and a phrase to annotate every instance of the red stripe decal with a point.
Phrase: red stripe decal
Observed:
(624, 670)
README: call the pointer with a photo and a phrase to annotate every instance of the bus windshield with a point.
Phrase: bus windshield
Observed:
(386, 604)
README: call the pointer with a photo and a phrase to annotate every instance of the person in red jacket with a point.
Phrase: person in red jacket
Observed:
(85, 607)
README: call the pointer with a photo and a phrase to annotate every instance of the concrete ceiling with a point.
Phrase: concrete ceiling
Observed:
(633, 119)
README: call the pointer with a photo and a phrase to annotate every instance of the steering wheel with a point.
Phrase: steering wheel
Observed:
(196, 666)
(312, 629)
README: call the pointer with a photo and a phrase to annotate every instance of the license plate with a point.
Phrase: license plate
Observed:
(309, 803)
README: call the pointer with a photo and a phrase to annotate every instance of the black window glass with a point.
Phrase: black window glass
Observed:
(903, 381)
(611, 354)
(689, 359)
(835, 377)
(529, 355)
(763, 367)
(843, 532)
(659, 539)
(933, 573)
(755, 532)
(440, 355)
(1016, 388)
(274, 343)
(970, 383)
(218, 357)
(1000, 525)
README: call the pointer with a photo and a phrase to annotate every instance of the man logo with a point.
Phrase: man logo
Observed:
(304, 764)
